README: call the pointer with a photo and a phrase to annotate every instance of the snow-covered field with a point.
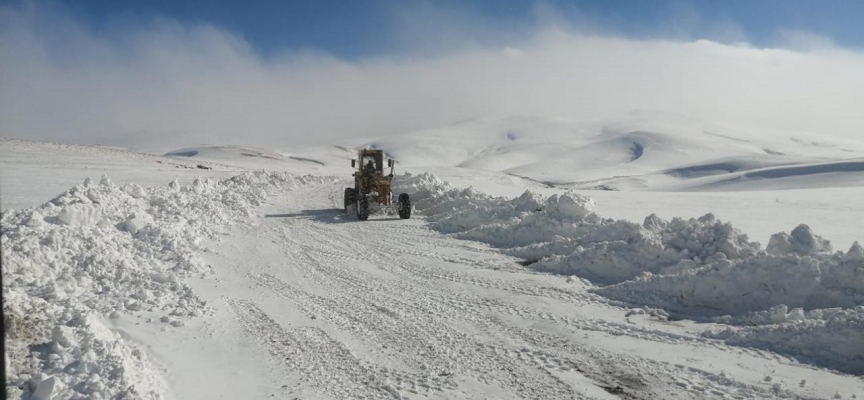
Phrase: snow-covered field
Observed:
(580, 264)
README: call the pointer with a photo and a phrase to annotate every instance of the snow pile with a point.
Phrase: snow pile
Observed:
(466, 210)
(800, 241)
(693, 266)
(609, 251)
(700, 268)
(831, 337)
(564, 235)
(758, 282)
(760, 290)
(431, 196)
(96, 251)
(65, 351)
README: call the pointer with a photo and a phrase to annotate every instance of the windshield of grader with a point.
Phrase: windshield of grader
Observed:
(372, 163)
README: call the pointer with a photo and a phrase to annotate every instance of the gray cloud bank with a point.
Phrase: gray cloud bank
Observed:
(167, 84)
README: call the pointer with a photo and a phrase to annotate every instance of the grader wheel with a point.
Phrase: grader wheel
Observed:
(404, 206)
(362, 207)
(350, 198)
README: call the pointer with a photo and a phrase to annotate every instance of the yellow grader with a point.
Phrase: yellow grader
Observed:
(372, 186)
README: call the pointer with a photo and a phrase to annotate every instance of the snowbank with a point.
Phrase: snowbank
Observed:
(700, 268)
(831, 337)
(607, 251)
(759, 290)
(99, 251)
(738, 286)
(564, 235)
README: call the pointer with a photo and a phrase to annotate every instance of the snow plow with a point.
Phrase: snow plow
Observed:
(372, 190)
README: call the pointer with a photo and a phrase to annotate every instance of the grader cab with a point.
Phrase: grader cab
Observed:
(372, 186)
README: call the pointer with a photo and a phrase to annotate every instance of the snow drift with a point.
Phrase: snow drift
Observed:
(698, 268)
(102, 251)
(829, 337)
(564, 235)
(812, 280)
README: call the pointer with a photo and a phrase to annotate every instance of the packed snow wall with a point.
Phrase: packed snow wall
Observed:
(804, 299)
(99, 251)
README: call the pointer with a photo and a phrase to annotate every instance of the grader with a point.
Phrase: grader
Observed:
(371, 186)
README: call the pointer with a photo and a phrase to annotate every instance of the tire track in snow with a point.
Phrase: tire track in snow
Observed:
(324, 364)
(459, 305)
(463, 307)
(421, 340)
(420, 274)
(410, 320)
(382, 254)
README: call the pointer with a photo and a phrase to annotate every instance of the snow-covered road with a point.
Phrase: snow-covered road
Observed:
(310, 303)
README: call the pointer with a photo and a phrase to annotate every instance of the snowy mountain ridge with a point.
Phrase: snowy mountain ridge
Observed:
(645, 151)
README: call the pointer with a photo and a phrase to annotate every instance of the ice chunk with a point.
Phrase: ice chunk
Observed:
(105, 182)
(36, 219)
(573, 205)
(79, 214)
(777, 314)
(808, 243)
(654, 223)
(135, 190)
(855, 252)
(779, 244)
(64, 335)
(94, 196)
(137, 221)
(46, 389)
(801, 241)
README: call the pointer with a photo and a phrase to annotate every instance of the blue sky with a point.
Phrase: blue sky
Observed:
(353, 28)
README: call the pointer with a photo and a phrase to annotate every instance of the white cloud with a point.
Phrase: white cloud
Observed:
(168, 84)
(804, 40)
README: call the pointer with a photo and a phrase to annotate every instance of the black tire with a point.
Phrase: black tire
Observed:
(362, 207)
(350, 198)
(404, 206)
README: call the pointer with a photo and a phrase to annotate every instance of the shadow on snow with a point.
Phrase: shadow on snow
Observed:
(331, 216)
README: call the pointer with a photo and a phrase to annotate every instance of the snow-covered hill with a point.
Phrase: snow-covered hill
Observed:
(319, 160)
(32, 173)
(646, 151)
